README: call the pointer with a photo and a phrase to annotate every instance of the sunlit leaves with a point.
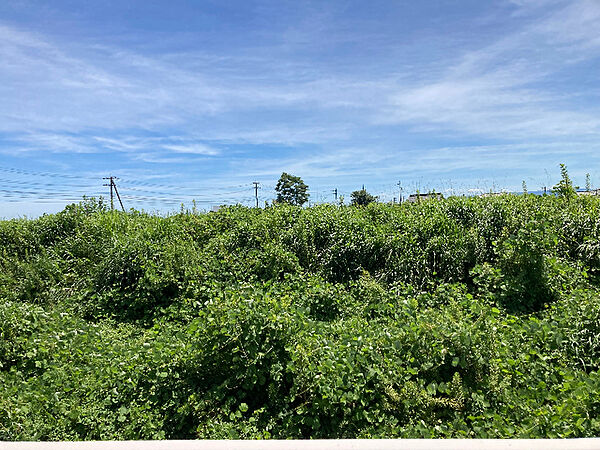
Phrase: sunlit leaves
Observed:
(454, 318)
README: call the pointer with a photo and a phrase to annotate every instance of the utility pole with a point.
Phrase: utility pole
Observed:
(335, 194)
(112, 206)
(256, 183)
(400, 196)
(112, 186)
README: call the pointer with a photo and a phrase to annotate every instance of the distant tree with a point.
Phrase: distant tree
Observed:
(291, 189)
(362, 197)
(588, 183)
(564, 188)
(524, 187)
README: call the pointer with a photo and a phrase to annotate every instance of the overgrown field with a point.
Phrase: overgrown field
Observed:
(456, 318)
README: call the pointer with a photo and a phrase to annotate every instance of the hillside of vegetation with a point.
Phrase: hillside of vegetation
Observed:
(467, 317)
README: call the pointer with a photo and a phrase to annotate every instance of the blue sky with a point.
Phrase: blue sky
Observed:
(198, 99)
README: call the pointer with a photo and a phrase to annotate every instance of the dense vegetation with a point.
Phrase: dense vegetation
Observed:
(467, 317)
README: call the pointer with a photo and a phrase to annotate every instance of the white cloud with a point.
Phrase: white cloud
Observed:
(74, 97)
(507, 89)
(377, 163)
(195, 149)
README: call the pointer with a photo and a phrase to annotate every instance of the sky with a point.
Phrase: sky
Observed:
(196, 100)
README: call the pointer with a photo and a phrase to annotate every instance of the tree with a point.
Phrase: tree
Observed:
(588, 183)
(291, 189)
(362, 197)
(564, 188)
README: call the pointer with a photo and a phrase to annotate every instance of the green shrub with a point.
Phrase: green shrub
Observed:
(468, 317)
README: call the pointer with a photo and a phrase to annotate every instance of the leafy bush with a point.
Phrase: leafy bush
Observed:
(468, 317)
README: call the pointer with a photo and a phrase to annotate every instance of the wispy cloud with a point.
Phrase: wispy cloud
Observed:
(511, 89)
(195, 149)
(503, 89)
(323, 91)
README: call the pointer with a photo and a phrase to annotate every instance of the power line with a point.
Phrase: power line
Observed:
(122, 181)
(46, 185)
(171, 186)
(41, 174)
(150, 191)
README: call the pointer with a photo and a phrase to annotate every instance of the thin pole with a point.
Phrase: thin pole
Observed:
(110, 184)
(256, 183)
(118, 196)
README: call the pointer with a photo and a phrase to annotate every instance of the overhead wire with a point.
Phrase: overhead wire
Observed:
(17, 186)
(42, 174)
